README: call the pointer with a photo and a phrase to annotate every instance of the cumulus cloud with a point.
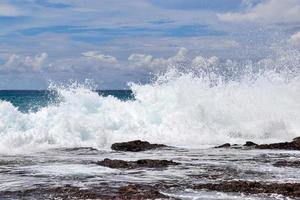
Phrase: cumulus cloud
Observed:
(142, 60)
(7, 10)
(295, 39)
(99, 57)
(24, 63)
(268, 11)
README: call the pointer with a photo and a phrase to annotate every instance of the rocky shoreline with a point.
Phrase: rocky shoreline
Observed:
(218, 178)
(142, 191)
(293, 145)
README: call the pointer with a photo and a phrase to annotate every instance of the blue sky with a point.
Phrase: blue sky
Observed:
(114, 42)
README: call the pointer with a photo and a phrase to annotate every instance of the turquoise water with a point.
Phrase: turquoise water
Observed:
(32, 100)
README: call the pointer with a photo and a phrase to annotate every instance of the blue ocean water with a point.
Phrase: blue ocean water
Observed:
(32, 100)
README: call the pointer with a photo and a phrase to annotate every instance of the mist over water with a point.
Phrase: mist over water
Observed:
(210, 102)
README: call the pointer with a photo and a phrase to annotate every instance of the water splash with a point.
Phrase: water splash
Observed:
(205, 104)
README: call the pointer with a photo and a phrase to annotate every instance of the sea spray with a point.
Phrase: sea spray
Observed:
(208, 104)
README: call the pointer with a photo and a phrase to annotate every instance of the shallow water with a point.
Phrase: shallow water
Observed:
(59, 167)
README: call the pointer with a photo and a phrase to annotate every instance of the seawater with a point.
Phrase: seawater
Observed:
(198, 107)
(33, 100)
(191, 110)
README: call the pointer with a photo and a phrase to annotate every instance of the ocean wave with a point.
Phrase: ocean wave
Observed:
(195, 108)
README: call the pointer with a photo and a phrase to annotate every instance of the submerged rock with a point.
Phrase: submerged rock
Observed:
(135, 146)
(105, 192)
(140, 192)
(285, 163)
(286, 189)
(249, 144)
(144, 163)
(293, 145)
(226, 145)
(64, 192)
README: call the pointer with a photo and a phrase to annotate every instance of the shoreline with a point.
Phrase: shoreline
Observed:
(227, 179)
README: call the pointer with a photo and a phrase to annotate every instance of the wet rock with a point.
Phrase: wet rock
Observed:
(249, 144)
(286, 189)
(140, 192)
(135, 146)
(296, 139)
(144, 163)
(115, 163)
(236, 146)
(293, 145)
(105, 192)
(81, 149)
(226, 145)
(66, 192)
(285, 163)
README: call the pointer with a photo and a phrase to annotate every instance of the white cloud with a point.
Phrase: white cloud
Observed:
(36, 62)
(99, 57)
(142, 60)
(268, 11)
(21, 63)
(7, 10)
(295, 39)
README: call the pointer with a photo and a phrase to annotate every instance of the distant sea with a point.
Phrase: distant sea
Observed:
(32, 100)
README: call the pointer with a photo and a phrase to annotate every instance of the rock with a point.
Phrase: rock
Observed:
(294, 145)
(249, 144)
(155, 163)
(81, 149)
(140, 192)
(286, 189)
(115, 163)
(66, 192)
(226, 145)
(296, 139)
(285, 163)
(144, 163)
(104, 192)
(135, 146)
(236, 146)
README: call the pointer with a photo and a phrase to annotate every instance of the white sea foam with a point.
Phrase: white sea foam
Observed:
(181, 109)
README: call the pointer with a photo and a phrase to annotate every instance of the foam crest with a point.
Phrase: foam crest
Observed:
(179, 109)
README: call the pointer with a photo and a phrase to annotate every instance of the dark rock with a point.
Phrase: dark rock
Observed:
(81, 149)
(145, 163)
(249, 144)
(286, 189)
(294, 145)
(105, 192)
(226, 145)
(135, 146)
(236, 146)
(155, 163)
(115, 163)
(140, 192)
(66, 192)
(296, 139)
(285, 163)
